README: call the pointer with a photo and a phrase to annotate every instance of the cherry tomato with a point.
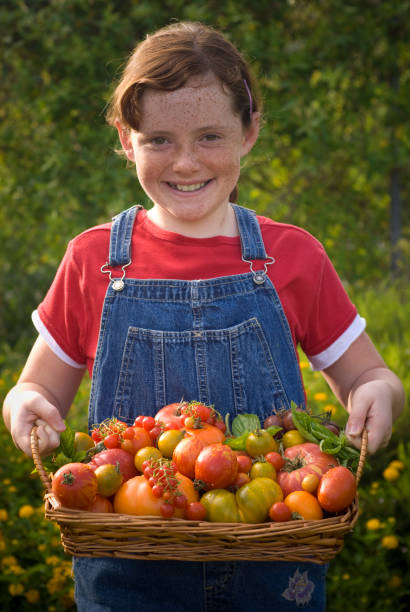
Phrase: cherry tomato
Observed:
(167, 510)
(195, 511)
(241, 479)
(275, 459)
(168, 440)
(96, 436)
(148, 422)
(129, 433)
(138, 420)
(244, 463)
(144, 454)
(310, 483)
(189, 421)
(292, 438)
(280, 512)
(180, 500)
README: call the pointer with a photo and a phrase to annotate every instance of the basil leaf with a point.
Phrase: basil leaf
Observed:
(245, 423)
(238, 443)
(273, 429)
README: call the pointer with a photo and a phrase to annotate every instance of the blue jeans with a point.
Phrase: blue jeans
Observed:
(106, 585)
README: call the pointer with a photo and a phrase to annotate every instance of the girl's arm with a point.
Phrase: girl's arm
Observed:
(45, 391)
(372, 394)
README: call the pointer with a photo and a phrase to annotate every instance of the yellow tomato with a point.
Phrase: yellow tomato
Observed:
(310, 483)
(292, 438)
(168, 440)
(263, 468)
(109, 479)
(82, 441)
(145, 453)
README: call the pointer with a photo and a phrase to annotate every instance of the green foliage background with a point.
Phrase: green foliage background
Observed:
(332, 157)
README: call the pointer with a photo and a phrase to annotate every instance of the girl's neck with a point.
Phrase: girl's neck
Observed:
(222, 223)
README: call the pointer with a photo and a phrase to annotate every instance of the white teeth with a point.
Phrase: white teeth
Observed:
(194, 187)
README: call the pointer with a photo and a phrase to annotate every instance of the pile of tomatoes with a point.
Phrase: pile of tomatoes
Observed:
(180, 464)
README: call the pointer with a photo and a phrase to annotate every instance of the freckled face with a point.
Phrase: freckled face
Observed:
(187, 153)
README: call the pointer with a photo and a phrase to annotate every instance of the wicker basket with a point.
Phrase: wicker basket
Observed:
(88, 534)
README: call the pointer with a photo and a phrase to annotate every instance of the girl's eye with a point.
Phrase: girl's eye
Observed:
(211, 137)
(158, 140)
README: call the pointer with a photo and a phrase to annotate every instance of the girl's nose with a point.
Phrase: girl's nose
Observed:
(185, 160)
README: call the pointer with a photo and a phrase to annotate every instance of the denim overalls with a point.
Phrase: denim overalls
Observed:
(223, 341)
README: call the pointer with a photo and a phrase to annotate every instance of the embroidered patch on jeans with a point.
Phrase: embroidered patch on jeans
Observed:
(300, 589)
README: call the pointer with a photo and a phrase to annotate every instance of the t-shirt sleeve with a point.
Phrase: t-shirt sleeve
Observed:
(333, 322)
(61, 318)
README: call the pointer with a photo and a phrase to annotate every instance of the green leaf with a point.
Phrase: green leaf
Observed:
(67, 441)
(238, 443)
(245, 423)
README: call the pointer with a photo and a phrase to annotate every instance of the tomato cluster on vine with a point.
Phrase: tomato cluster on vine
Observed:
(161, 476)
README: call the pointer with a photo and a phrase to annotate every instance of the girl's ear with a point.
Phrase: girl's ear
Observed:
(251, 134)
(125, 139)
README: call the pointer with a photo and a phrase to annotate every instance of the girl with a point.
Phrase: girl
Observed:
(196, 298)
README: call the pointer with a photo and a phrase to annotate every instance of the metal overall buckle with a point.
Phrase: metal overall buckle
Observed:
(259, 276)
(117, 283)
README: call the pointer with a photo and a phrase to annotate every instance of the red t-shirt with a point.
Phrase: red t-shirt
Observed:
(321, 317)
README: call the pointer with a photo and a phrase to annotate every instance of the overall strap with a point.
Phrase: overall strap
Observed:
(252, 244)
(121, 237)
(250, 234)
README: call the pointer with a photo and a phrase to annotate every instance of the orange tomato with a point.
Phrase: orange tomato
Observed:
(305, 504)
(141, 438)
(100, 504)
(207, 434)
(135, 497)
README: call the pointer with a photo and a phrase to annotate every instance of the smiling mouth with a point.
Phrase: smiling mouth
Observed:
(189, 188)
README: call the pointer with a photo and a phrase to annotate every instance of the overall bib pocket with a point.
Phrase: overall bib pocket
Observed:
(161, 367)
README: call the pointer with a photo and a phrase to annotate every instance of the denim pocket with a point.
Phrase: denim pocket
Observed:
(231, 368)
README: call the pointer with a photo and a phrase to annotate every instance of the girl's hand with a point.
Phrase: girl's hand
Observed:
(371, 409)
(31, 408)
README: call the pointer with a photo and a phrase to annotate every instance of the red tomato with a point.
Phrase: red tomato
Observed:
(75, 485)
(280, 512)
(216, 466)
(116, 455)
(275, 459)
(112, 441)
(172, 415)
(195, 511)
(185, 454)
(337, 489)
(244, 463)
(306, 458)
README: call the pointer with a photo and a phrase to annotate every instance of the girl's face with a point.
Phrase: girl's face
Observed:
(187, 154)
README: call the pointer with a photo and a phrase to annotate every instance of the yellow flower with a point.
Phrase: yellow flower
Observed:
(32, 596)
(55, 542)
(52, 560)
(9, 560)
(330, 408)
(26, 511)
(12, 489)
(2, 545)
(304, 365)
(397, 465)
(7, 481)
(3, 515)
(373, 524)
(16, 569)
(395, 581)
(346, 576)
(41, 547)
(390, 542)
(320, 397)
(391, 474)
(16, 589)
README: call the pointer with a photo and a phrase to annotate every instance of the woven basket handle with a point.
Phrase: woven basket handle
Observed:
(45, 479)
(362, 457)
